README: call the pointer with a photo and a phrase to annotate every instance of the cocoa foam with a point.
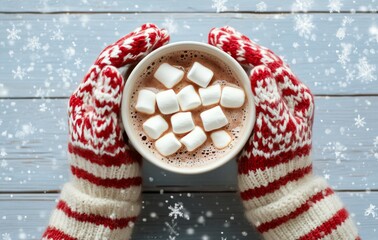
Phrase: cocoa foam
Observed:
(222, 75)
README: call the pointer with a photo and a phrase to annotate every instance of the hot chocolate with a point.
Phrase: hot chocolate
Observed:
(182, 129)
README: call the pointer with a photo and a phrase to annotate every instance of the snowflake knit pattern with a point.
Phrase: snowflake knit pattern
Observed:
(102, 200)
(282, 198)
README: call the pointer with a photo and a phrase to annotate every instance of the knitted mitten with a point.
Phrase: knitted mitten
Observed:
(282, 198)
(103, 199)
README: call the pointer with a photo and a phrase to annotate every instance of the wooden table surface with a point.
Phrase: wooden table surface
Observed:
(47, 46)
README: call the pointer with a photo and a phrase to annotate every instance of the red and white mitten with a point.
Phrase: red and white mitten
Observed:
(102, 200)
(281, 196)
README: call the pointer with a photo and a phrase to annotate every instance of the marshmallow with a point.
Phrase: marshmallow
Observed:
(168, 75)
(220, 139)
(182, 122)
(167, 102)
(155, 126)
(167, 144)
(188, 98)
(194, 139)
(146, 102)
(232, 97)
(210, 95)
(200, 75)
(213, 118)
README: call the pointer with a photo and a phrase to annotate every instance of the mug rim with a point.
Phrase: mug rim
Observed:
(197, 46)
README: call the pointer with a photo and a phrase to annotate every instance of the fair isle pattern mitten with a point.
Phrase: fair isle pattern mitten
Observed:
(282, 198)
(103, 199)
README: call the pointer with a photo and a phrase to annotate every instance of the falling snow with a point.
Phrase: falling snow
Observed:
(359, 121)
(33, 44)
(371, 211)
(219, 5)
(365, 71)
(13, 33)
(177, 210)
(304, 25)
(335, 5)
(45, 57)
(19, 73)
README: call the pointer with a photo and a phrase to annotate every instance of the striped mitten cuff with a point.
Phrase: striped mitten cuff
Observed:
(309, 210)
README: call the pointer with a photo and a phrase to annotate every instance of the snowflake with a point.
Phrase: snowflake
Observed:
(3, 153)
(345, 52)
(172, 228)
(3, 163)
(302, 5)
(347, 20)
(13, 33)
(6, 236)
(341, 32)
(170, 25)
(57, 35)
(334, 5)
(78, 62)
(370, 211)
(373, 31)
(219, 5)
(261, 7)
(42, 107)
(375, 141)
(304, 25)
(19, 73)
(26, 129)
(366, 71)
(33, 43)
(64, 74)
(61, 124)
(359, 121)
(177, 210)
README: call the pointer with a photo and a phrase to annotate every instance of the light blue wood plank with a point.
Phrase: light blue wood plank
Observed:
(54, 51)
(33, 142)
(27, 215)
(180, 6)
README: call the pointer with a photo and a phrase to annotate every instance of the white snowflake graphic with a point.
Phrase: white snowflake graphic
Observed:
(261, 7)
(19, 73)
(57, 35)
(359, 121)
(302, 5)
(3, 153)
(170, 25)
(13, 33)
(365, 71)
(6, 236)
(341, 32)
(219, 5)
(42, 107)
(371, 211)
(335, 5)
(78, 62)
(26, 129)
(33, 43)
(177, 210)
(345, 53)
(3, 163)
(304, 25)
(375, 143)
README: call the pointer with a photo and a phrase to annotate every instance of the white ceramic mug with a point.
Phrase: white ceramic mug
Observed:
(238, 72)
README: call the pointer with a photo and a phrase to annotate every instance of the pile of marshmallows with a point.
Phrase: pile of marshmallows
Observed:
(187, 99)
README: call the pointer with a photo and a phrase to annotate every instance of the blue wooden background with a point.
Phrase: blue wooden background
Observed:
(46, 47)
